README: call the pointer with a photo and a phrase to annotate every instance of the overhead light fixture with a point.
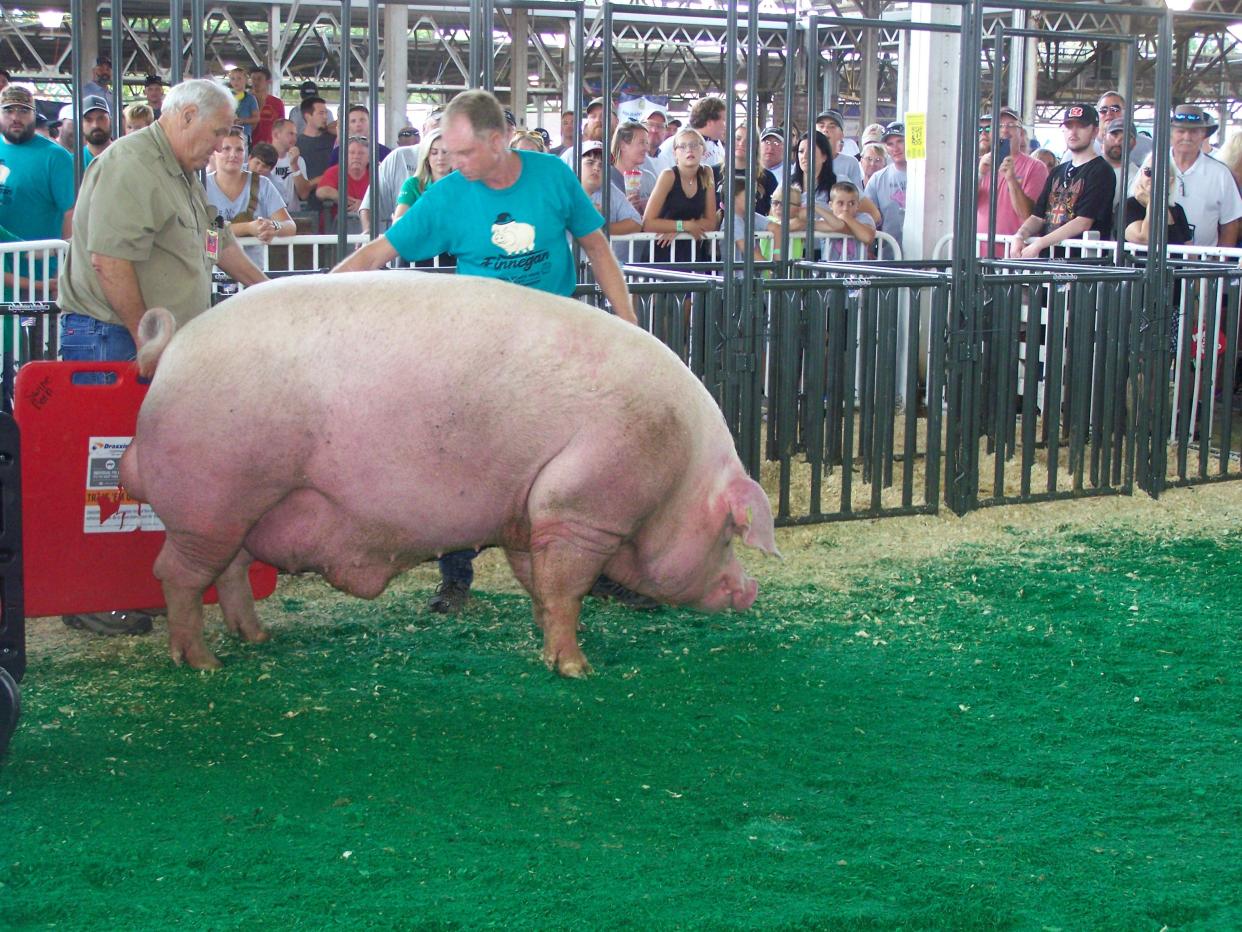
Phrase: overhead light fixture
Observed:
(51, 19)
(1235, 30)
(532, 79)
(1179, 6)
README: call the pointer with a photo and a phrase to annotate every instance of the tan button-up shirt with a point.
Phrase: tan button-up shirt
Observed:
(138, 204)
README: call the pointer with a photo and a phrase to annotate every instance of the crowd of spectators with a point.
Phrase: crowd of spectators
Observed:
(666, 179)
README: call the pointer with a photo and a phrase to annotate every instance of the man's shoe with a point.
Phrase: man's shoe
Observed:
(606, 588)
(130, 621)
(450, 598)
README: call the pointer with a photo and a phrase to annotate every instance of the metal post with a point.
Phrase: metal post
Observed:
(198, 11)
(342, 135)
(75, 38)
(373, 40)
(605, 194)
(117, 14)
(176, 64)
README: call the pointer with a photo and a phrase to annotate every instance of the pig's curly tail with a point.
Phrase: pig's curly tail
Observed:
(154, 331)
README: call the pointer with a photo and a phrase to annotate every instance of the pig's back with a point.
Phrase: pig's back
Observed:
(425, 391)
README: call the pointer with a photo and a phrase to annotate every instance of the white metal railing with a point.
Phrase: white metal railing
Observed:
(26, 267)
(1188, 309)
(635, 248)
(19, 259)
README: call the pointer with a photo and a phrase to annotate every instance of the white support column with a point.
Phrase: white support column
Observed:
(518, 64)
(90, 47)
(272, 59)
(870, 79)
(931, 181)
(396, 69)
(1016, 55)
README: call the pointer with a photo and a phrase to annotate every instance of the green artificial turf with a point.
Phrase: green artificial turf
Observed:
(1045, 738)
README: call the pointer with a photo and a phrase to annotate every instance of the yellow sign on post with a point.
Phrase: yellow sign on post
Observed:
(916, 135)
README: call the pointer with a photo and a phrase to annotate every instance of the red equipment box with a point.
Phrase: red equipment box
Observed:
(86, 546)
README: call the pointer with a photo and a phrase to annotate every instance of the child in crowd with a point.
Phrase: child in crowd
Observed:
(739, 222)
(776, 220)
(845, 218)
(138, 116)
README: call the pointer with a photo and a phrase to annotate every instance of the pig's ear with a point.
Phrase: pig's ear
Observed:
(750, 515)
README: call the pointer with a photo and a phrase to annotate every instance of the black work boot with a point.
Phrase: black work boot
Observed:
(450, 597)
(606, 588)
(131, 621)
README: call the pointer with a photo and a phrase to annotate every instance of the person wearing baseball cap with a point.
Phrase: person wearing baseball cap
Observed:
(153, 90)
(1077, 197)
(887, 187)
(623, 218)
(101, 82)
(1020, 181)
(1115, 147)
(96, 127)
(772, 151)
(1206, 188)
(845, 167)
(37, 191)
(656, 121)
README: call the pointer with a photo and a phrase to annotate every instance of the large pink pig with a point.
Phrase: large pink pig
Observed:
(359, 424)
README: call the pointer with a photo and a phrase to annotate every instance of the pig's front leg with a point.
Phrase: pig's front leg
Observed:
(561, 574)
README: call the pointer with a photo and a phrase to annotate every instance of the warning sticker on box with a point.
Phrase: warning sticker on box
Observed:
(108, 510)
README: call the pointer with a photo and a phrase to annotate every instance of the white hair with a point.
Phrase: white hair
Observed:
(202, 93)
(1150, 162)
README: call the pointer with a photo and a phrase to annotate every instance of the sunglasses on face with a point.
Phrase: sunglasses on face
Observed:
(1110, 109)
(362, 139)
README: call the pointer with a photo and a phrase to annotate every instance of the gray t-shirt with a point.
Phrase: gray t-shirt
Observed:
(847, 168)
(619, 208)
(887, 190)
(269, 203)
(282, 177)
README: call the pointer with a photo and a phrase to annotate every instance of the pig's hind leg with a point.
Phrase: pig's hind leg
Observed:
(186, 567)
(237, 600)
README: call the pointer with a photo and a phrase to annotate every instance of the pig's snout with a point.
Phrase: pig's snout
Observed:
(733, 590)
(746, 597)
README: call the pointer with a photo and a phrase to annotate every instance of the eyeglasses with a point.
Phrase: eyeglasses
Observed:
(405, 134)
(1193, 119)
(362, 139)
(237, 128)
(984, 129)
(1111, 108)
(1010, 125)
(688, 145)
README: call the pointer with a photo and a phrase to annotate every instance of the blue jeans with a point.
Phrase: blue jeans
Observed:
(85, 339)
(458, 567)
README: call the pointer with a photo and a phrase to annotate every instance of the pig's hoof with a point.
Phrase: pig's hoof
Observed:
(570, 663)
(252, 633)
(195, 655)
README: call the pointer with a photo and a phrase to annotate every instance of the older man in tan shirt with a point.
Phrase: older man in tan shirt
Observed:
(144, 236)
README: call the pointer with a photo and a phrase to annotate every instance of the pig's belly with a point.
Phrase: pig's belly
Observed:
(356, 551)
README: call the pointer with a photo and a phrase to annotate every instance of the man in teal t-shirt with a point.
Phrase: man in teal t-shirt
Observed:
(503, 214)
(36, 179)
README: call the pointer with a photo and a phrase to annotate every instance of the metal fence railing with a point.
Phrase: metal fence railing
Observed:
(849, 425)
(872, 388)
(1046, 395)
